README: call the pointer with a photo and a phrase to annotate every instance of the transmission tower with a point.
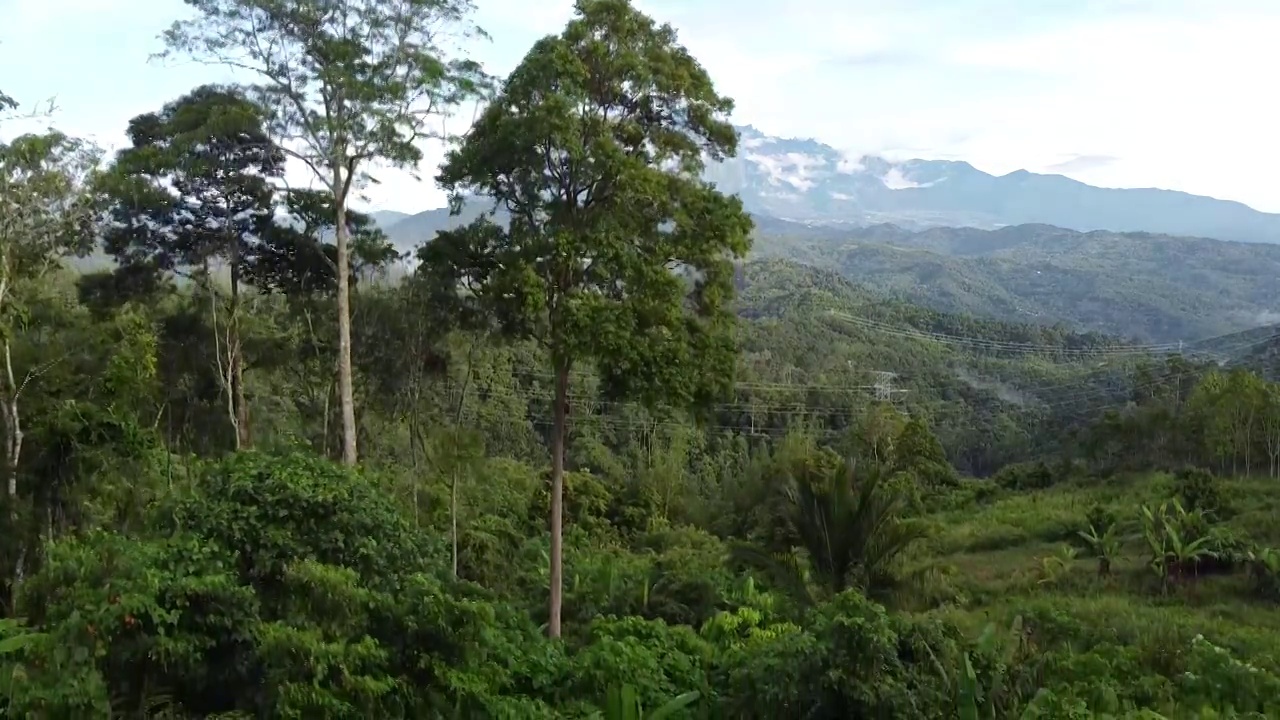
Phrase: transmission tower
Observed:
(885, 391)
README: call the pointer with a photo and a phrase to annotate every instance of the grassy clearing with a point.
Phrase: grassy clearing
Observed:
(1003, 557)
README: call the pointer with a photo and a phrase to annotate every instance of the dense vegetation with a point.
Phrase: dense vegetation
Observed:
(732, 514)
(1155, 288)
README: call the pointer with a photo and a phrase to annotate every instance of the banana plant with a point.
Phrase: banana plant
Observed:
(1172, 548)
(1104, 545)
(623, 703)
(977, 705)
(1012, 649)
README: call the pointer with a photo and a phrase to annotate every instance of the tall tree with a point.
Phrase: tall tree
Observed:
(195, 187)
(615, 251)
(46, 214)
(347, 83)
(301, 264)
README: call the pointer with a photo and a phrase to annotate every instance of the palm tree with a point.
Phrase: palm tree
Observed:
(849, 522)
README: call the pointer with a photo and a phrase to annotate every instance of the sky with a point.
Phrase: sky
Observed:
(1177, 94)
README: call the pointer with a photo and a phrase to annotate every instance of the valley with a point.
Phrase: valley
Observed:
(705, 423)
(1140, 285)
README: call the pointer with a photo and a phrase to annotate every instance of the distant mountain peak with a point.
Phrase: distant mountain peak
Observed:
(803, 179)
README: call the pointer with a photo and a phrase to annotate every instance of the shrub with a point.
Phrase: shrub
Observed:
(1199, 490)
(1025, 476)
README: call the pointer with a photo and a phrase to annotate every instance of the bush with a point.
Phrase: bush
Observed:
(852, 659)
(276, 559)
(270, 511)
(1025, 476)
(1199, 489)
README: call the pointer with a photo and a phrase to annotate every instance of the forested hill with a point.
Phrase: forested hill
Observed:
(995, 392)
(1156, 288)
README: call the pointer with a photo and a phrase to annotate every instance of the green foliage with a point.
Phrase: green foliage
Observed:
(1156, 287)
(1198, 490)
(1175, 536)
(383, 59)
(919, 452)
(623, 704)
(199, 611)
(1101, 519)
(1264, 569)
(1104, 543)
(1024, 476)
(586, 262)
(194, 185)
(793, 548)
(271, 512)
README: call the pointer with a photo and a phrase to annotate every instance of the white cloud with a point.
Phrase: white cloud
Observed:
(1182, 103)
(895, 180)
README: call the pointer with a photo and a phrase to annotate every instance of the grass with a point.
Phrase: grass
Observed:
(995, 563)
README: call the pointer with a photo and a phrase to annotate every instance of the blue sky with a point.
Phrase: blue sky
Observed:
(1178, 94)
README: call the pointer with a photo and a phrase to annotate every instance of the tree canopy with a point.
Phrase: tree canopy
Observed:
(616, 251)
(344, 84)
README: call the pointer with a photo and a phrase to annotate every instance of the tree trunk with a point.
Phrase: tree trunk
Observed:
(346, 385)
(413, 463)
(559, 431)
(12, 456)
(457, 426)
(244, 437)
(1248, 445)
(453, 519)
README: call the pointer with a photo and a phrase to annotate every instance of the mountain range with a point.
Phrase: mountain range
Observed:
(803, 180)
(1146, 277)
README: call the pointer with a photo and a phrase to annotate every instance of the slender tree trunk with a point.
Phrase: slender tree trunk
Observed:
(12, 455)
(346, 385)
(244, 436)
(457, 426)
(1248, 445)
(559, 431)
(413, 463)
(224, 359)
(453, 518)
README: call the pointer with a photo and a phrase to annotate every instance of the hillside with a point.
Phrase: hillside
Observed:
(1150, 287)
(1153, 288)
(984, 392)
(1147, 287)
